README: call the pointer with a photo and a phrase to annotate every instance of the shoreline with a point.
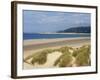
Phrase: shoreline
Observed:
(58, 33)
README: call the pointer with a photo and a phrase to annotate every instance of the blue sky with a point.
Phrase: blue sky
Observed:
(52, 21)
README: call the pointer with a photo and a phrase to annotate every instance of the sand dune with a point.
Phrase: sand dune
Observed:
(49, 62)
(33, 46)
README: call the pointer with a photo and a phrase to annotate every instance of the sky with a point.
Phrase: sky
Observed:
(53, 21)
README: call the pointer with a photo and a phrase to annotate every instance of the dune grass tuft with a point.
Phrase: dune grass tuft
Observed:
(83, 56)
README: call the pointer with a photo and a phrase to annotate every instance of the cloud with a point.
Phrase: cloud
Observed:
(50, 21)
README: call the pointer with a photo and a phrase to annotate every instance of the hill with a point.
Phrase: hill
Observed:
(86, 29)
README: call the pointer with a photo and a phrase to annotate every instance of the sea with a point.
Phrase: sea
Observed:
(27, 36)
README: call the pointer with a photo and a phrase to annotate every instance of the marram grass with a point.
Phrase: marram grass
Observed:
(81, 56)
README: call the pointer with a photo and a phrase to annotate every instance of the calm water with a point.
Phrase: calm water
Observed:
(51, 36)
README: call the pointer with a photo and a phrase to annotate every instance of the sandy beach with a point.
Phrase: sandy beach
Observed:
(42, 41)
(32, 46)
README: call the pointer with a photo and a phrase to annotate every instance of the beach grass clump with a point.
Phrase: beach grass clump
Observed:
(41, 57)
(46, 51)
(64, 60)
(75, 52)
(83, 57)
(64, 49)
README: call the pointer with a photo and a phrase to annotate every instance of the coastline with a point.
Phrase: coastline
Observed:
(63, 33)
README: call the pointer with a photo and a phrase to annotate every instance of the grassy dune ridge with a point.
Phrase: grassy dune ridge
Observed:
(70, 56)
